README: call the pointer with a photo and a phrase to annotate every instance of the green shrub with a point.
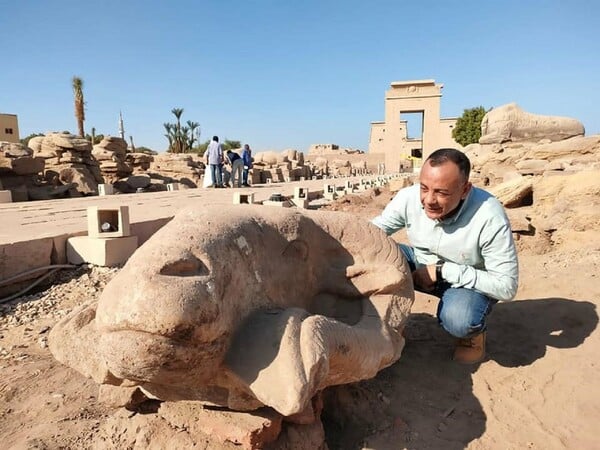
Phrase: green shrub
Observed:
(468, 126)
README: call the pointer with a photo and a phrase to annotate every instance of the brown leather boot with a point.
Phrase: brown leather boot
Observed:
(470, 350)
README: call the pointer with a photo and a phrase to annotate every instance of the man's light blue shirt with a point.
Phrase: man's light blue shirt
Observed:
(475, 244)
(215, 153)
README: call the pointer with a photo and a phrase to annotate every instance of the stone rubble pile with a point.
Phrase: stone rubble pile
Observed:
(496, 163)
(20, 171)
(512, 148)
(332, 161)
(111, 153)
(139, 162)
(152, 173)
(278, 167)
(135, 172)
(184, 168)
(543, 169)
(337, 167)
(68, 161)
(51, 166)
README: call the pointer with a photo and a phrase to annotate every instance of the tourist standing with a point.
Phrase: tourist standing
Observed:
(247, 161)
(215, 160)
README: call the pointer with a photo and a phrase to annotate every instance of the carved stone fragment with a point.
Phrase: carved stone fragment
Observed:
(245, 307)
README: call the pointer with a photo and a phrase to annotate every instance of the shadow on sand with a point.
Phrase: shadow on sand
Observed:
(426, 400)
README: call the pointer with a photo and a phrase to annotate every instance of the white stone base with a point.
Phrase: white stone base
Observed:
(106, 189)
(300, 202)
(241, 198)
(283, 204)
(102, 252)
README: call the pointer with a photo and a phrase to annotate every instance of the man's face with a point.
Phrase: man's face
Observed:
(442, 189)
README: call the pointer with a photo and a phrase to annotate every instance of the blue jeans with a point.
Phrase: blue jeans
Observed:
(461, 312)
(217, 174)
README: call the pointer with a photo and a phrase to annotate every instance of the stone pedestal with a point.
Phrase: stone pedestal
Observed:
(105, 189)
(301, 192)
(102, 252)
(329, 192)
(241, 198)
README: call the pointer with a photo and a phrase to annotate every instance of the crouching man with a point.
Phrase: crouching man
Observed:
(461, 247)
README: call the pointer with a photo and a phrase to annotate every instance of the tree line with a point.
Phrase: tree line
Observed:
(185, 138)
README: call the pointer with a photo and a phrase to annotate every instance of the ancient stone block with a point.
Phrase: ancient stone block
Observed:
(250, 431)
(243, 198)
(515, 192)
(102, 252)
(300, 192)
(329, 192)
(105, 189)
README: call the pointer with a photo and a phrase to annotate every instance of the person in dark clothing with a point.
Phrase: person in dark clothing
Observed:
(237, 164)
(247, 158)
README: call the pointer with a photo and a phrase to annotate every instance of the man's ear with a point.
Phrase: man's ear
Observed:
(468, 186)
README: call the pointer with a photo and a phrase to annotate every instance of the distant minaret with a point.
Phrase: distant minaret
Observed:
(121, 127)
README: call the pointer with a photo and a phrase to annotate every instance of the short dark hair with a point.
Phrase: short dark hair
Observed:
(442, 155)
(216, 138)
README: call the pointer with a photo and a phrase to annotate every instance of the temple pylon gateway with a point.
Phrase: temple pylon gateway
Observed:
(391, 136)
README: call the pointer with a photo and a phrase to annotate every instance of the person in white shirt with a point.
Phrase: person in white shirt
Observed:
(461, 247)
(214, 153)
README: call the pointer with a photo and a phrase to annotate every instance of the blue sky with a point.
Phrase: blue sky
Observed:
(279, 74)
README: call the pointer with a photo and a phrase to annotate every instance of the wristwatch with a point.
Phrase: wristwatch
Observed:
(438, 272)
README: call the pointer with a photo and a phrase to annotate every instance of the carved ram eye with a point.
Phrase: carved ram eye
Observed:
(187, 267)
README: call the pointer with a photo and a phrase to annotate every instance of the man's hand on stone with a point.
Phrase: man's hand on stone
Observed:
(424, 278)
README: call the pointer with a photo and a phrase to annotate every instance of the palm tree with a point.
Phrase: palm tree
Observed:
(181, 138)
(193, 137)
(79, 104)
(177, 112)
(170, 134)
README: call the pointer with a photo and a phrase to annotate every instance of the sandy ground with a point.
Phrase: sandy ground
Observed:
(539, 387)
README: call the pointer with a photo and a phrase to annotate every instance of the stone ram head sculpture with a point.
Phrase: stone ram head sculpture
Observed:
(245, 306)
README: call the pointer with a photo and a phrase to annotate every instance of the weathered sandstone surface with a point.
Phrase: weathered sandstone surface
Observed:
(111, 153)
(246, 307)
(56, 165)
(69, 161)
(510, 123)
(544, 170)
(279, 166)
